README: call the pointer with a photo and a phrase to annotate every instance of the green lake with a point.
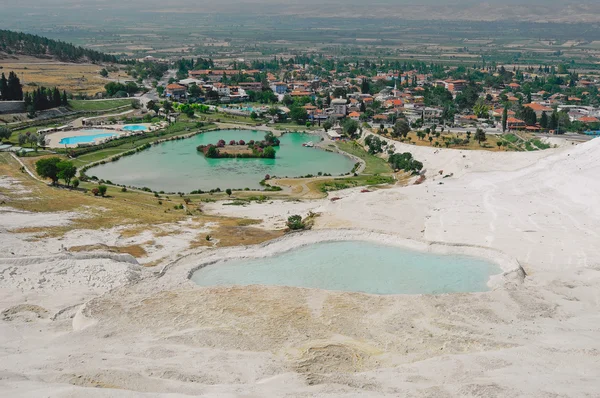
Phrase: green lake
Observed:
(176, 166)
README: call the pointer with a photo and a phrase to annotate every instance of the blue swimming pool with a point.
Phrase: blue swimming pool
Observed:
(135, 127)
(86, 138)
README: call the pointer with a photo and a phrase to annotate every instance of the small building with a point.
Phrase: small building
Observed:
(334, 135)
(432, 115)
(251, 86)
(176, 91)
(515, 124)
(354, 116)
(279, 88)
(539, 109)
(339, 106)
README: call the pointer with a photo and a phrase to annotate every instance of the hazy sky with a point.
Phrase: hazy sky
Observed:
(72, 11)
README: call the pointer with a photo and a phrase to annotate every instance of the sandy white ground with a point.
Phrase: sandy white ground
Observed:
(102, 326)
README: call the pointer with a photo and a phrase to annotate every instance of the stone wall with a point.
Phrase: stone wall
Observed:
(12, 107)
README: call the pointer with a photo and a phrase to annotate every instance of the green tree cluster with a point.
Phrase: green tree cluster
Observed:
(28, 44)
(405, 161)
(116, 89)
(11, 88)
(55, 168)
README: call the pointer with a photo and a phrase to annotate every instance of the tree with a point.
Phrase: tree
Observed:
(298, 114)
(42, 140)
(269, 153)
(544, 120)
(553, 123)
(365, 86)
(104, 72)
(327, 125)
(504, 118)
(375, 144)
(75, 183)
(480, 136)
(481, 110)
(270, 139)
(401, 128)
(102, 190)
(528, 115)
(56, 98)
(405, 161)
(253, 115)
(228, 191)
(64, 100)
(22, 139)
(48, 168)
(66, 171)
(5, 133)
(350, 127)
(194, 90)
(14, 88)
(212, 152)
(295, 222)
(3, 88)
(33, 139)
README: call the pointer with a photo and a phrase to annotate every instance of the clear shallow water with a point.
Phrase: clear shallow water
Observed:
(176, 166)
(134, 127)
(87, 138)
(357, 267)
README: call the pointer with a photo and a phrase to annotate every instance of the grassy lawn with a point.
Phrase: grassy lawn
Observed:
(338, 184)
(103, 105)
(374, 165)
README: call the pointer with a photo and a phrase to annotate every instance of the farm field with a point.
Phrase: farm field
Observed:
(76, 79)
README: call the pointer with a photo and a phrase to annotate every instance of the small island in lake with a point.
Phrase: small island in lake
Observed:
(240, 149)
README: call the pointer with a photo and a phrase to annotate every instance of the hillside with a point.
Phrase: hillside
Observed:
(26, 44)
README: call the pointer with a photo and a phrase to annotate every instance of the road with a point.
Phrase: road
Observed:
(152, 95)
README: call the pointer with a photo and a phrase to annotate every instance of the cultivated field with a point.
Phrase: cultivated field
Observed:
(74, 78)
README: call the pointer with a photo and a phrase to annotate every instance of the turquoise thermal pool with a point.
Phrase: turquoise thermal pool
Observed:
(355, 266)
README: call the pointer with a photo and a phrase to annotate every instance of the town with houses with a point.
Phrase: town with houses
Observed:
(548, 100)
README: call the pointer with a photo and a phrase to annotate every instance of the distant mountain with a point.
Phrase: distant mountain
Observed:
(37, 46)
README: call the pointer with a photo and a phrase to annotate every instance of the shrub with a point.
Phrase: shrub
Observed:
(95, 191)
(75, 183)
(102, 190)
(123, 189)
(295, 223)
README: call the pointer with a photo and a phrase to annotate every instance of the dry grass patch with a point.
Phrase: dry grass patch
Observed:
(136, 251)
(74, 78)
(488, 145)
(235, 232)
